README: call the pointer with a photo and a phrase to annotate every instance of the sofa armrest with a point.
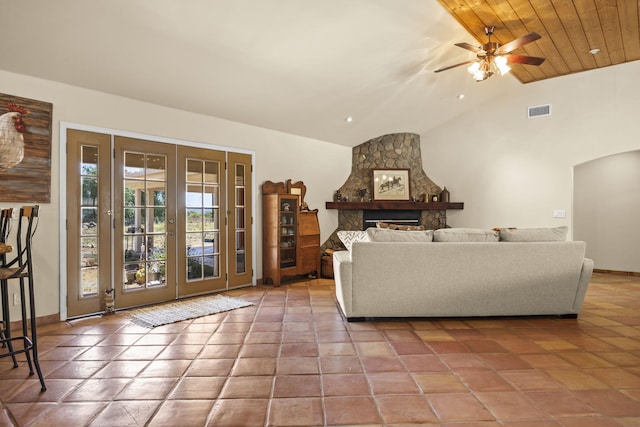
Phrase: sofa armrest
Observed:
(342, 271)
(583, 283)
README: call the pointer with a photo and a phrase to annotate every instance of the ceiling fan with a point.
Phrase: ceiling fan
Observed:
(493, 58)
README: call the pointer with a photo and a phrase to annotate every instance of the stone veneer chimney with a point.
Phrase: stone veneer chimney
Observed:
(397, 150)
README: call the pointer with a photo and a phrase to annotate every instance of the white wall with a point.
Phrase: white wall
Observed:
(607, 203)
(278, 156)
(513, 171)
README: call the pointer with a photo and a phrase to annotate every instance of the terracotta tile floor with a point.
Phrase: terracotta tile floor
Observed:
(290, 360)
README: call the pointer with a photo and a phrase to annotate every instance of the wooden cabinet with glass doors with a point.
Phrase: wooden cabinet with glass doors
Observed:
(291, 236)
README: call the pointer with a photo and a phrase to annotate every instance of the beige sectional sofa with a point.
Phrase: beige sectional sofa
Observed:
(461, 273)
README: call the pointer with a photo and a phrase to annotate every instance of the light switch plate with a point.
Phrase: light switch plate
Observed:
(559, 213)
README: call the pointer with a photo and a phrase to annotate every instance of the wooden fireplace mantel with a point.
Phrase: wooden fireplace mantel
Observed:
(394, 205)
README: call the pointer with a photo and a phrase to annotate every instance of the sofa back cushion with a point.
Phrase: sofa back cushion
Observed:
(387, 235)
(465, 235)
(555, 234)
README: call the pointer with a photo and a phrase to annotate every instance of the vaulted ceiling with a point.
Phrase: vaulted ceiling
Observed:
(570, 29)
(303, 67)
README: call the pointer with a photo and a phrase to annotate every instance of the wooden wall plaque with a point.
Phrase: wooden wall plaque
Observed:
(25, 150)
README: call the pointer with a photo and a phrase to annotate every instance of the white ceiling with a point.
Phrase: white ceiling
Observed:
(297, 66)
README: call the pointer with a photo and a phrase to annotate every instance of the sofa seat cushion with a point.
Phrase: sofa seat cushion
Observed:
(388, 235)
(556, 234)
(465, 235)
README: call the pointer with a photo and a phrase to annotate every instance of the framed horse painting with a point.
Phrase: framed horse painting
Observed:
(390, 184)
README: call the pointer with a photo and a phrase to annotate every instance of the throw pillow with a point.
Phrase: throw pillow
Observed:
(465, 235)
(348, 237)
(556, 234)
(391, 226)
(387, 235)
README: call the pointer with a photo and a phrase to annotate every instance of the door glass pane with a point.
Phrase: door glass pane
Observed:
(156, 167)
(194, 220)
(211, 173)
(158, 193)
(211, 243)
(210, 219)
(240, 240)
(202, 219)
(89, 268)
(240, 243)
(194, 171)
(194, 195)
(239, 218)
(144, 216)
(134, 165)
(211, 267)
(89, 160)
(89, 190)
(210, 196)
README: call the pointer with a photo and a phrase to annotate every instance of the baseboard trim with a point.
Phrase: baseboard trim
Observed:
(616, 272)
(40, 321)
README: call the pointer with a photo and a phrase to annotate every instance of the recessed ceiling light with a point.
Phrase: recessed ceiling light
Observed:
(348, 119)
(460, 96)
(594, 51)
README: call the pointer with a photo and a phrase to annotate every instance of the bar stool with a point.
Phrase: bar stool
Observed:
(20, 267)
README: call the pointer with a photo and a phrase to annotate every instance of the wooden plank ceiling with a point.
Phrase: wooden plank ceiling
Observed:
(569, 30)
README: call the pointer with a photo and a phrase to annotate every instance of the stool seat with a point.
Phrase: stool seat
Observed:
(12, 273)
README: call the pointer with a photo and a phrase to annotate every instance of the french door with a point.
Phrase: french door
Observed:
(153, 221)
(144, 221)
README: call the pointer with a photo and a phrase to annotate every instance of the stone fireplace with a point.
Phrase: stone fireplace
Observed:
(393, 151)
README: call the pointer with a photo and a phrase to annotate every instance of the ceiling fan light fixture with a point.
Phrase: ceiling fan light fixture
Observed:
(488, 66)
(480, 76)
(476, 71)
(501, 63)
(493, 57)
(474, 67)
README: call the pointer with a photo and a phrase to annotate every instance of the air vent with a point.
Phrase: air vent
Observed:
(540, 110)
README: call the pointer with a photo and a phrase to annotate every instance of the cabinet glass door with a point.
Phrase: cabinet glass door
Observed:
(288, 225)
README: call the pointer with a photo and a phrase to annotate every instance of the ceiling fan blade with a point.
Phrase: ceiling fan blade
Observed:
(519, 42)
(468, 46)
(521, 59)
(453, 66)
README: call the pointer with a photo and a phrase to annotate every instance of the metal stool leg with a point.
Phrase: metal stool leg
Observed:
(34, 335)
(25, 332)
(5, 333)
(6, 320)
